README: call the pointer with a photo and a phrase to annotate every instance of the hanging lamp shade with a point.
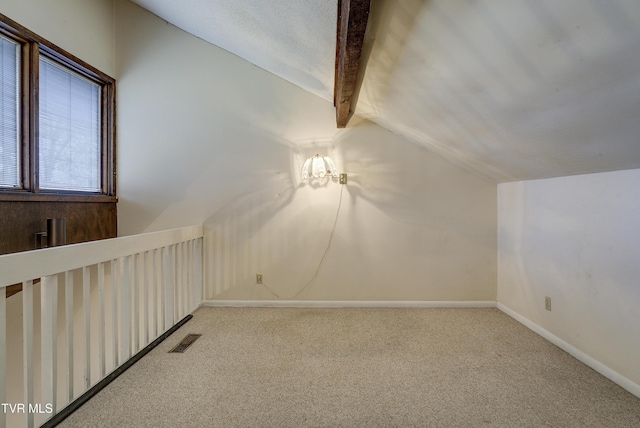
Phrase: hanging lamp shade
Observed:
(318, 167)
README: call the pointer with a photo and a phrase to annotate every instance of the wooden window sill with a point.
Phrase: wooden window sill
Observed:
(9, 196)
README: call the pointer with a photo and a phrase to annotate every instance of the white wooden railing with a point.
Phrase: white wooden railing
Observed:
(100, 303)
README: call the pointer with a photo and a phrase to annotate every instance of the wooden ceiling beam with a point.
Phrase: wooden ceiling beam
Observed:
(352, 23)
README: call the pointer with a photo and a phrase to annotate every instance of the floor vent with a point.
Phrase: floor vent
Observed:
(185, 343)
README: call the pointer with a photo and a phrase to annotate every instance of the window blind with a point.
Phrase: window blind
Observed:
(69, 156)
(9, 117)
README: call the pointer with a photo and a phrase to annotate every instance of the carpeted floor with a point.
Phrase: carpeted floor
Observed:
(268, 367)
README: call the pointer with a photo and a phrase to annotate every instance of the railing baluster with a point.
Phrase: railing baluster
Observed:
(125, 319)
(155, 296)
(101, 322)
(177, 302)
(162, 289)
(27, 338)
(198, 285)
(184, 286)
(3, 354)
(176, 280)
(185, 279)
(189, 285)
(49, 339)
(144, 257)
(170, 280)
(135, 307)
(68, 309)
(179, 284)
(86, 311)
(176, 284)
(114, 312)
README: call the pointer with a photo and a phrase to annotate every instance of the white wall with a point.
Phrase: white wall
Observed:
(82, 28)
(577, 240)
(206, 137)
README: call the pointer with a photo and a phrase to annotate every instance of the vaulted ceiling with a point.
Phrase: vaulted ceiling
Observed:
(512, 90)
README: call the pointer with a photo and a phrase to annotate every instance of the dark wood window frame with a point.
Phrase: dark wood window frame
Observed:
(32, 47)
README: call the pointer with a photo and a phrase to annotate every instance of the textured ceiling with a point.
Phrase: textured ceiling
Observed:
(293, 39)
(511, 90)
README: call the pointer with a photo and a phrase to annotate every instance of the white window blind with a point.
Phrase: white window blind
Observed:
(69, 155)
(9, 117)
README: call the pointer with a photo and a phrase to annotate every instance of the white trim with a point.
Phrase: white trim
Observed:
(604, 370)
(346, 304)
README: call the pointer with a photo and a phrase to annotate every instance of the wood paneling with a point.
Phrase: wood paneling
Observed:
(21, 220)
(86, 221)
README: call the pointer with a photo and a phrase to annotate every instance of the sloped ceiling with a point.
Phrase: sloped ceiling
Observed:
(293, 39)
(512, 90)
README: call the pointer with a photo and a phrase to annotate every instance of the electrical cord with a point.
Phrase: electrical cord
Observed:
(333, 229)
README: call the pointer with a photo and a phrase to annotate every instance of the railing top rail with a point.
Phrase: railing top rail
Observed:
(18, 267)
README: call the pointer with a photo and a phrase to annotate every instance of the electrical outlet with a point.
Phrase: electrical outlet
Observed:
(258, 278)
(343, 178)
(547, 303)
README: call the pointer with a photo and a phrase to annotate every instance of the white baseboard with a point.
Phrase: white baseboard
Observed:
(346, 304)
(604, 370)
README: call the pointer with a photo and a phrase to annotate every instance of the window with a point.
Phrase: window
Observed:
(9, 102)
(69, 122)
(56, 122)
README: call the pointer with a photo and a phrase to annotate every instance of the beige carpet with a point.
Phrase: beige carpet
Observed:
(359, 368)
